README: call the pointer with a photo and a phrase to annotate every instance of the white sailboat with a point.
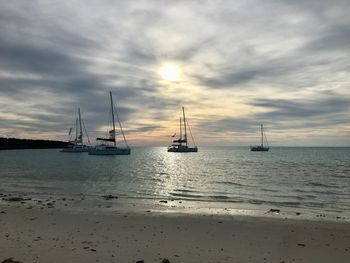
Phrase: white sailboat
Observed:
(111, 149)
(261, 147)
(181, 145)
(77, 145)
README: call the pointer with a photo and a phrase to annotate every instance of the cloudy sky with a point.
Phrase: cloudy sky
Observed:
(240, 63)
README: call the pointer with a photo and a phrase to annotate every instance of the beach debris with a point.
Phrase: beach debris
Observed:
(301, 245)
(163, 201)
(272, 210)
(10, 260)
(140, 261)
(109, 197)
(14, 199)
(2, 212)
(165, 260)
(297, 213)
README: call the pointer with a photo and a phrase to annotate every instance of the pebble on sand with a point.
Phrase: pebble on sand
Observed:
(109, 197)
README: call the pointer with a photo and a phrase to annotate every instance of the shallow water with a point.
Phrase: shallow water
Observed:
(313, 179)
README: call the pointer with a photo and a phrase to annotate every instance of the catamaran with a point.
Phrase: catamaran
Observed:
(77, 145)
(261, 148)
(106, 148)
(181, 145)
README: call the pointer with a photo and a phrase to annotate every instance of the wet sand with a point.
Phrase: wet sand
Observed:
(69, 230)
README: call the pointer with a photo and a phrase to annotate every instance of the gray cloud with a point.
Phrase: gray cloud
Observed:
(302, 109)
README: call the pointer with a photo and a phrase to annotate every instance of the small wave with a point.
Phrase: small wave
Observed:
(185, 191)
(319, 184)
(269, 190)
(340, 176)
(230, 183)
(256, 202)
(162, 173)
(221, 197)
(308, 196)
(324, 192)
(186, 195)
(155, 179)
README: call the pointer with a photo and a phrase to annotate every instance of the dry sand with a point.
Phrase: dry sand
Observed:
(64, 230)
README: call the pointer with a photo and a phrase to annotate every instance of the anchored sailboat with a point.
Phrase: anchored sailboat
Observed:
(261, 148)
(77, 145)
(111, 149)
(181, 144)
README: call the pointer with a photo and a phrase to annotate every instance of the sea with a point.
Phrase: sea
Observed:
(315, 179)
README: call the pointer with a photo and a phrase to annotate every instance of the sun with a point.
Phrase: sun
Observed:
(170, 72)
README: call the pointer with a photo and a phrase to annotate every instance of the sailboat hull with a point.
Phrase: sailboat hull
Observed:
(259, 149)
(182, 149)
(109, 150)
(76, 149)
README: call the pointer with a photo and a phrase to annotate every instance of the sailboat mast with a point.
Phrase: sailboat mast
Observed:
(262, 136)
(76, 130)
(110, 94)
(180, 131)
(184, 119)
(81, 129)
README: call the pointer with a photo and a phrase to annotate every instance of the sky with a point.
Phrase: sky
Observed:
(283, 63)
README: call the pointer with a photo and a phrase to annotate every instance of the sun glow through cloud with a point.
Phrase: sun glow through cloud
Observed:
(170, 72)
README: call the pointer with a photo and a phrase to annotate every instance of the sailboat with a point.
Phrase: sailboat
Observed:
(261, 148)
(77, 145)
(111, 149)
(181, 145)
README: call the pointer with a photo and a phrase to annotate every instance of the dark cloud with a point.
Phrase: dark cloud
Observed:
(303, 108)
(145, 128)
(232, 79)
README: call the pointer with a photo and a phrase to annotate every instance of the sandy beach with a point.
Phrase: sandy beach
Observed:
(59, 229)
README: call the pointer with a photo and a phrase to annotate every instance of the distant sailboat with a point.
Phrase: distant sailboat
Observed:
(108, 149)
(181, 144)
(77, 145)
(261, 148)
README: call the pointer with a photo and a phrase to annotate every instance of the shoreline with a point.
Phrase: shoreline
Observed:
(94, 203)
(62, 229)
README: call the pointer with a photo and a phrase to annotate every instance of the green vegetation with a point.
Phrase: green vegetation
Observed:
(13, 143)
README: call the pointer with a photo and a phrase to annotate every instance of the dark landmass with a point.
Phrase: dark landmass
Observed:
(13, 143)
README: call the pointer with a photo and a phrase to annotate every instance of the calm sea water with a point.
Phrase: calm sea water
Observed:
(316, 179)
